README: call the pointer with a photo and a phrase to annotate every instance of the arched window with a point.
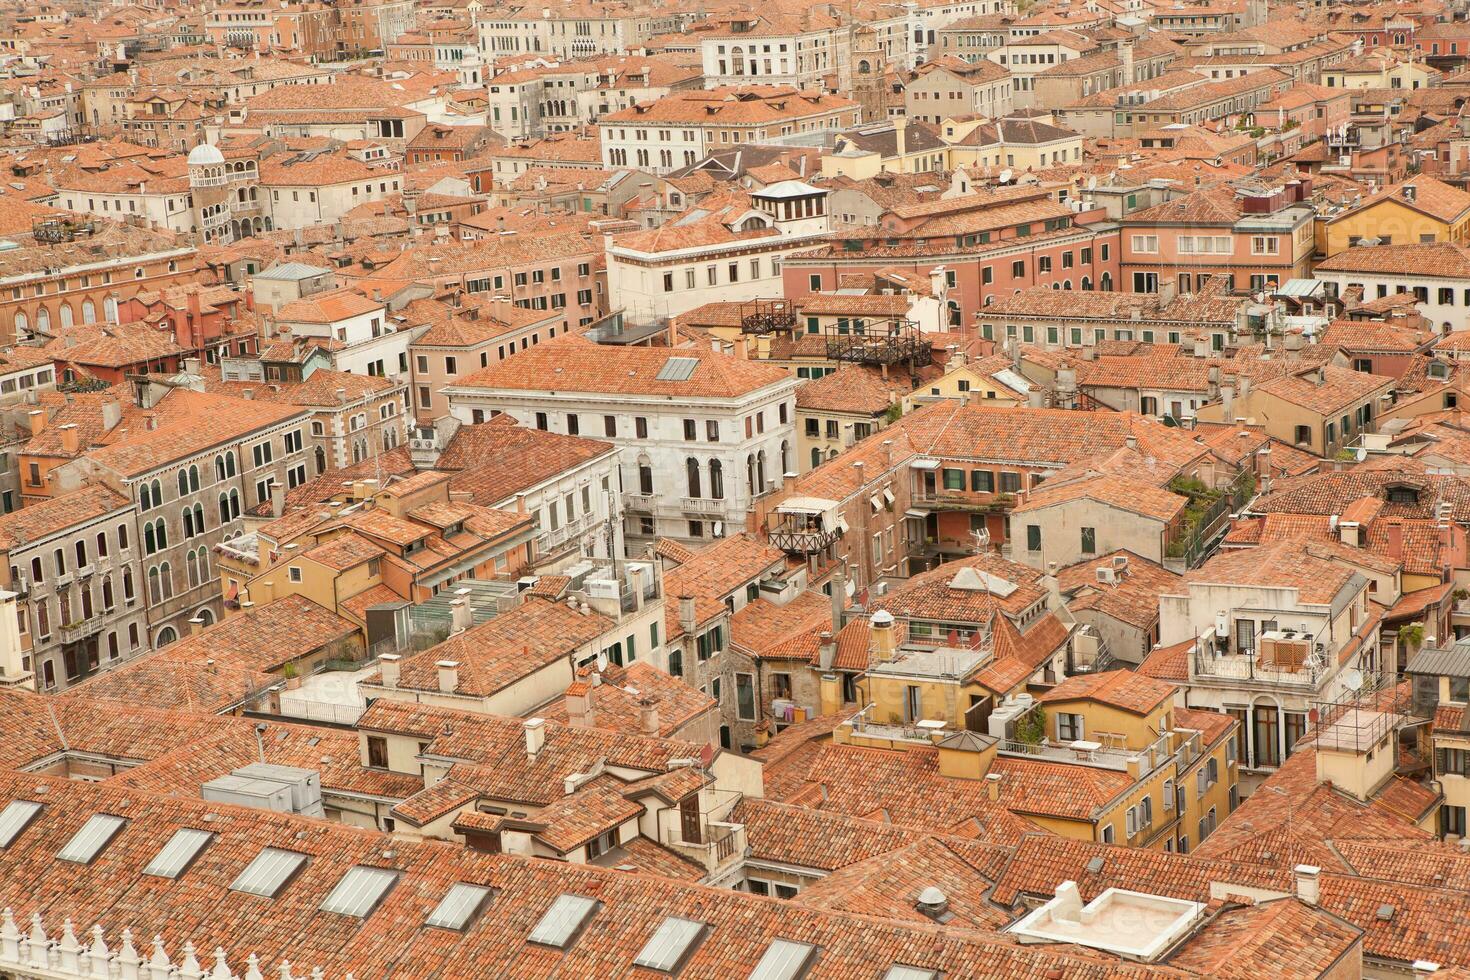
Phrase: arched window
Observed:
(22, 325)
(219, 469)
(224, 509)
(145, 497)
(108, 599)
(109, 309)
(43, 618)
(198, 518)
(816, 457)
(645, 477)
(691, 468)
(321, 460)
(1106, 282)
(150, 543)
(127, 583)
(101, 544)
(230, 463)
(43, 320)
(716, 479)
(191, 565)
(81, 553)
(234, 504)
(203, 564)
(157, 493)
(155, 591)
(760, 472)
(193, 479)
(785, 458)
(68, 318)
(166, 576)
(1086, 284)
(165, 636)
(183, 483)
(750, 475)
(205, 617)
(188, 524)
(89, 311)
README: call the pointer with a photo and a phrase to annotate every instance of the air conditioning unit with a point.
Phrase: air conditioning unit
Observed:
(1106, 575)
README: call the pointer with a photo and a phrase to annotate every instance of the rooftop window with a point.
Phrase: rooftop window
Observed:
(360, 891)
(88, 842)
(16, 817)
(900, 972)
(671, 944)
(180, 851)
(268, 873)
(564, 921)
(461, 904)
(784, 960)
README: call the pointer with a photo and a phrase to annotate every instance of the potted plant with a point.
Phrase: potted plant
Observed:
(293, 679)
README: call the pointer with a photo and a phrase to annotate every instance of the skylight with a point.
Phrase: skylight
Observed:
(900, 972)
(16, 817)
(784, 960)
(678, 369)
(268, 873)
(88, 842)
(671, 944)
(180, 851)
(360, 891)
(461, 904)
(564, 921)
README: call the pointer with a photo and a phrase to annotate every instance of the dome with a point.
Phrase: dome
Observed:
(205, 155)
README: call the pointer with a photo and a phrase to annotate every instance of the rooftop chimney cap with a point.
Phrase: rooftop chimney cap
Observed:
(882, 618)
(932, 896)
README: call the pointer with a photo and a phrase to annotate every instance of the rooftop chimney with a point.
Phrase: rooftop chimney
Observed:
(278, 499)
(535, 735)
(1307, 886)
(71, 437)
(838, 598)
(687, 621)
(579, 705)
(448, 676)
(881, 635)
(648, 717)
(388, 665)
(460, 616)
(826, 651)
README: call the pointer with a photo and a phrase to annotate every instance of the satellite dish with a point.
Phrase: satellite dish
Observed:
(1362, 454)
(601, 662)
(1006, 175)
(1352, 680)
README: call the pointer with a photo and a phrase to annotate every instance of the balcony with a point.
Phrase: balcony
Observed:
(551, 540)
(75, 632)
(976, 501)
(1250, 668)
(703, 506)
(1100, 751)
(767, 316)
(723, 843)
(798, 537)
(904, 345)
(640, 503)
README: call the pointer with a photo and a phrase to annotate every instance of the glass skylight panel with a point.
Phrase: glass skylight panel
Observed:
(88, 842)
(678, 369)
(461, 904)
(16, 817)
(900, 972)
(784, 960)
(270, 870)
(180, 851)
(360, 891)
(563, 921)
(670, 944)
